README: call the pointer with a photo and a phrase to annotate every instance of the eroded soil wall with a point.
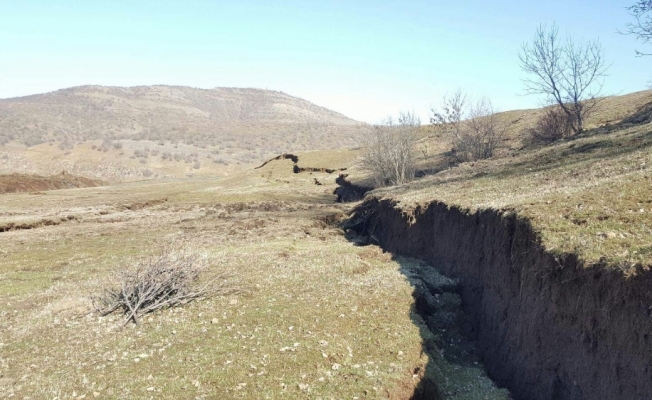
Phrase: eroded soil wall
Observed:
(548, 328)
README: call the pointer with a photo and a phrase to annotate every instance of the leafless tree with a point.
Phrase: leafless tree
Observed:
(389, 155)
(642, 28)
(569, 73)
(474, 127)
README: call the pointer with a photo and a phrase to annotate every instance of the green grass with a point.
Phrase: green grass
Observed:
(318, 317)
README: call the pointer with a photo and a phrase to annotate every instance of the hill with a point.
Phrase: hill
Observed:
(162, 131)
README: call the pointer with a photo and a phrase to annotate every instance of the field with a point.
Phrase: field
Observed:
(320, 313)
(316, 316)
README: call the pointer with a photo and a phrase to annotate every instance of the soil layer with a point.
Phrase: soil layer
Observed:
(548, 327)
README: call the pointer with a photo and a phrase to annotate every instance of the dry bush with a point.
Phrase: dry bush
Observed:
(389, 155)
(169, 279)
(475, 129)
(482, 133)
(553, 125)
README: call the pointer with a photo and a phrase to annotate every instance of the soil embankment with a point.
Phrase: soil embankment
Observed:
(14, 183)
(347, 191)
(549, 328)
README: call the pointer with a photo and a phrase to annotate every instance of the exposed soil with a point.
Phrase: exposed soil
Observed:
(296, 168)
(548, 328)
(15, 226)
(347, 191)
(14, 183)
(292, 157)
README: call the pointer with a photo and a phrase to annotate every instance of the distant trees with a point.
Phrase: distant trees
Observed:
(642, 28)
(389, 154)
(474, 128)
(569, 73)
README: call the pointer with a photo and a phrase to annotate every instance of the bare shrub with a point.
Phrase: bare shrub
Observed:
(66, 144)
(141, 153)
(551, 126)
(475, 129)
(170, 279)
(483, 132)
(389, 155)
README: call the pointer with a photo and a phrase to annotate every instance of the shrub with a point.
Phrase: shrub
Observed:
(475, 129)
(389, 155)
(551, 126)
(169, 279)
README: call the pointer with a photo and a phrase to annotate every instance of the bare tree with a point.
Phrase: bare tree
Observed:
(475, 129)
(389, 155)
(642, 28)
(568, 73)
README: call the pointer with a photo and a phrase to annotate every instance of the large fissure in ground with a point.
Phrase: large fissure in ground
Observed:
(548, 328)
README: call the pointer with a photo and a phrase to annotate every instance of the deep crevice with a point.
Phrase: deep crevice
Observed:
(548, 327)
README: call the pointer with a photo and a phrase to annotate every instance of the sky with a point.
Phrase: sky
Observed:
(365, 59)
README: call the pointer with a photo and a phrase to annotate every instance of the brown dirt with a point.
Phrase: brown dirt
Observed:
(548, 328)
(348, 191)
(14, 183)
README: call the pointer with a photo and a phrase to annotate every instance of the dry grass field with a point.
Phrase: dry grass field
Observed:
(317, 316)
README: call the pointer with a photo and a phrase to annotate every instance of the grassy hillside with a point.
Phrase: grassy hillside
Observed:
(589, 195)
(127, 133)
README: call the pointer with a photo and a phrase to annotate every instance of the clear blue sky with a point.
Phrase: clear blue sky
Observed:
(366, 59)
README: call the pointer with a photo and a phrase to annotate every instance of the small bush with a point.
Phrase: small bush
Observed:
(170, 279)
(553, 125)
(389, 154)
(475, 129)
